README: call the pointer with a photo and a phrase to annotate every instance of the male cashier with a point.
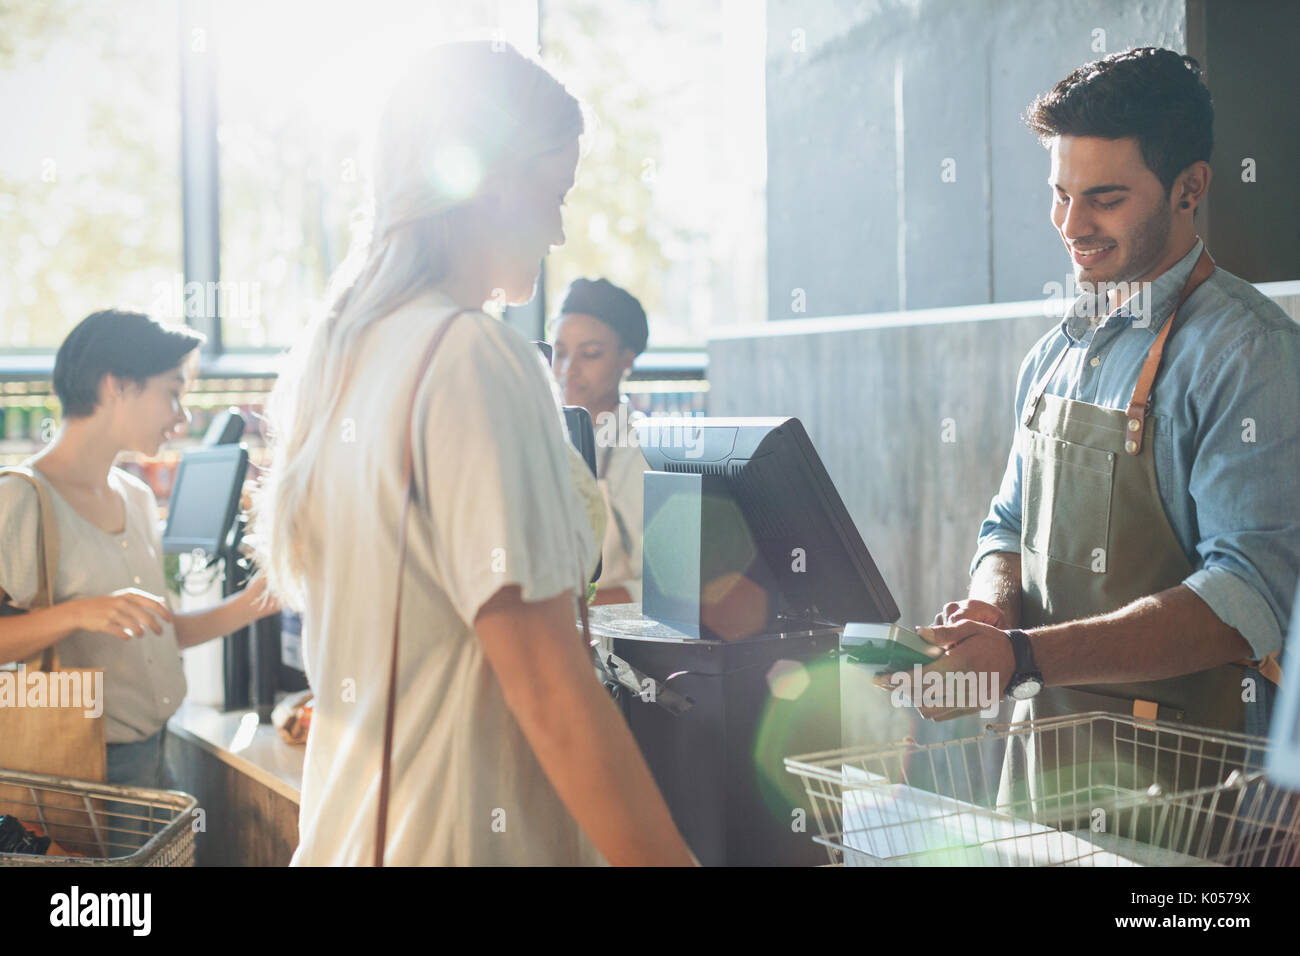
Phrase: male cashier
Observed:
(1141, 555)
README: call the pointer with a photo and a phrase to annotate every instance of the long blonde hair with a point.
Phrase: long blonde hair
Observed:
(461, 117)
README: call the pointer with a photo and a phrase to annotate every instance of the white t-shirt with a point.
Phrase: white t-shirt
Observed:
(495, 506)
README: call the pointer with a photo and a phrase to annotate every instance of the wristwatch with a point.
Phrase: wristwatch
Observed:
(1027, 679)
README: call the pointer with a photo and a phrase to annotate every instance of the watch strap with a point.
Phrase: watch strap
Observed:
(1026, 668)
(1023, 651)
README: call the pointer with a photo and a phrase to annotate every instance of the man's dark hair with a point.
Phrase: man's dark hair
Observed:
(616, 307)
(1157, 96)
(128, 345)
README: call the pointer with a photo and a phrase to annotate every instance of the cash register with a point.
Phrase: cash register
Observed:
(751, 568)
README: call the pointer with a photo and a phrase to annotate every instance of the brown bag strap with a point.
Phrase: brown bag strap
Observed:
(47, 552)
(390, 708)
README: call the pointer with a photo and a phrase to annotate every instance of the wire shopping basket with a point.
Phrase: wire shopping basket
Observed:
(98, 824)
(1091, 789)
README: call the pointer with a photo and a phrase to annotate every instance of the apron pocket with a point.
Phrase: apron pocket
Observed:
(1067, 489)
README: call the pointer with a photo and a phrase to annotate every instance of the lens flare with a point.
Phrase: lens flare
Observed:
(455, 171)
(800, 715)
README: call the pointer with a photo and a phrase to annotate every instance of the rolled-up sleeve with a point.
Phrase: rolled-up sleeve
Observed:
(1001, 528)
(1243, 484)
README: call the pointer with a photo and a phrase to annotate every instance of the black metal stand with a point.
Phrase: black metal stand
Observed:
(234, 651)
(717, 750)
(251, 654)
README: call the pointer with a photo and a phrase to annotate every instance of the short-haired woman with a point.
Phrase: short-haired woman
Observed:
(119, 377)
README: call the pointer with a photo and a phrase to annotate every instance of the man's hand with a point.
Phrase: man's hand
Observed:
(972, 648)
(971, 609)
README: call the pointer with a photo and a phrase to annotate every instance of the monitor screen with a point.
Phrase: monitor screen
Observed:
(204, 499)
(796, 517)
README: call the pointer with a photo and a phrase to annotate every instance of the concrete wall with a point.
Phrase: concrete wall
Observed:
(865, 103)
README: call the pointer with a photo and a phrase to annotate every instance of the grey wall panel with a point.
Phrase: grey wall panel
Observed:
(831, 191)
(946, 169)
(858, 214)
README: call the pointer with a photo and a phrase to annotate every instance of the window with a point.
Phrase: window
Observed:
(90, 211)
(298, 88)
(669, 201)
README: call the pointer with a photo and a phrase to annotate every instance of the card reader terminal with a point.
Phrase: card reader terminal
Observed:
(886, 647)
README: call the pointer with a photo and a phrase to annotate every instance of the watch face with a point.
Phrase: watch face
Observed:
(1026, 688)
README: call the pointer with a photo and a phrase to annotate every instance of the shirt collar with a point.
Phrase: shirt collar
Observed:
(1159, 301)
(1164, 294)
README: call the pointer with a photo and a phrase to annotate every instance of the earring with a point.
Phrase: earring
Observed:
(1186, 205)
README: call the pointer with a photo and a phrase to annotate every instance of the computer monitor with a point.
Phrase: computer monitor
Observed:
(205, 499)
(807, 548)
(226, 427)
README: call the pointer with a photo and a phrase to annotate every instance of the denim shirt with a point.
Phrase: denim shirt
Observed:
(1224, 422)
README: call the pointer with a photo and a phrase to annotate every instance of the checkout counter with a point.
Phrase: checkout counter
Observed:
(222, 747)
(752, 566)
(247, 780)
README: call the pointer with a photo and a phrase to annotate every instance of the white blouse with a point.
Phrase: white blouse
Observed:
(144, 681)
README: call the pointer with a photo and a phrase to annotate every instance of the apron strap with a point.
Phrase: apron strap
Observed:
(1270, 667)
(1137, 406)
(1039, 387)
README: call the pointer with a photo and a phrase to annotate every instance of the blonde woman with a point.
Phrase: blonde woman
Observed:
(506, 749)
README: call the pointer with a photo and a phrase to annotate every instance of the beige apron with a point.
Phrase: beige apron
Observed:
(1095, 537)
